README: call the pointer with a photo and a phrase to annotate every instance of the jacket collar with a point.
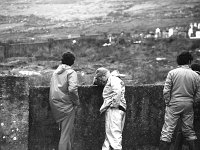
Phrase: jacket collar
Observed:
(184, 66)
(61, 68)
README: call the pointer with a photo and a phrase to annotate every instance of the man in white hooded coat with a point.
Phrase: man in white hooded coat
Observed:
(64, 99)
(114, 106)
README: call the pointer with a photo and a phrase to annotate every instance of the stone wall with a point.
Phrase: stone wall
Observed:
(43, 131)
(144, 119)
(14, 113)
(41, 50)
(47, 49)
(38, 130)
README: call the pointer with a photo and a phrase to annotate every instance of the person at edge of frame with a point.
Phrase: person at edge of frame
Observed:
(181, 90)
(179, 136)
(114, 106)
(196, 67)
(64, 99)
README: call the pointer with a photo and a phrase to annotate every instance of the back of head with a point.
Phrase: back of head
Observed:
(68, 58)
(101, 71)
(184, 58)
(101, 76)
(117, 74)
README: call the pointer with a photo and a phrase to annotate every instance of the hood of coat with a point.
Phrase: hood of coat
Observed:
(117, 74)
(62, 68)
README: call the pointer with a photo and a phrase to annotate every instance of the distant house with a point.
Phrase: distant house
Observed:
(170, 32)
(198, 34)
(190, 32)
(194, 31)
(157, 33)
(198, 27)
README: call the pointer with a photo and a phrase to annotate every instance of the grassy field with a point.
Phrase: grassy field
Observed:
(145, 63)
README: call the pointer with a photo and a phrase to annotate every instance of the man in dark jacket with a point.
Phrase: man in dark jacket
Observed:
(181, 90)
(64, 99)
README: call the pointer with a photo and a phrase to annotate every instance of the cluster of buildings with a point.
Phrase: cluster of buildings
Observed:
(194, 30)
(193, 33)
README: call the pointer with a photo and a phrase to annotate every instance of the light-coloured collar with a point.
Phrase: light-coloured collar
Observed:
(61, 68)
(184, 66)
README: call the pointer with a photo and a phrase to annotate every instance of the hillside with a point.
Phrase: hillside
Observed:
(42, 19)
(144, 63)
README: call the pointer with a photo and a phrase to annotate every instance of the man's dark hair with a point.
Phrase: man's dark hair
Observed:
(68, 58)
(184, 58)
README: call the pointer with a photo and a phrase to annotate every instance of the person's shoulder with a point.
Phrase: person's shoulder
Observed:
(174, 70)
(196, 73)
(115, 79)
(72, 71)
(180, 69)
(68, 70)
